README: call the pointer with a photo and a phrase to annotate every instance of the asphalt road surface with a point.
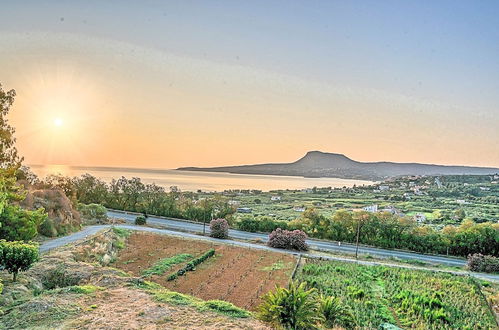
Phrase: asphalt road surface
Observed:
(314, 244)
(91, 230)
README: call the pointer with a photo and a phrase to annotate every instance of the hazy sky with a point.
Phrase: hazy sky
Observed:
(174, 83)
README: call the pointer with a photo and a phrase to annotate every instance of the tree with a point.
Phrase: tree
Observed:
(361, 219)
(8, 152)
(291, 308)
(17, 256)
(19, 224)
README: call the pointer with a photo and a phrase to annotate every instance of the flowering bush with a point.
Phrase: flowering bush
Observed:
(288, 239)
(219, 228)
(482, 263)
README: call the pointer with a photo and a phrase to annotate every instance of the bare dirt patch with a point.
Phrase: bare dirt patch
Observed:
(235, 274)
(128, 308)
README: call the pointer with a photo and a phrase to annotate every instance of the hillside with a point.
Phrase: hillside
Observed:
(322, 164)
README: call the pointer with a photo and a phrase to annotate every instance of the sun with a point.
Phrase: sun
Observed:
(58, 122)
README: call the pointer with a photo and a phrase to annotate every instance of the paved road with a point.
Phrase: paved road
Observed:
(91, 230)
(314, 244)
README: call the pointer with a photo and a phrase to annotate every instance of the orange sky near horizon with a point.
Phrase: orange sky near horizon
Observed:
(126, 105)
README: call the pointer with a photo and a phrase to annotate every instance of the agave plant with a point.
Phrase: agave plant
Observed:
(293, 308)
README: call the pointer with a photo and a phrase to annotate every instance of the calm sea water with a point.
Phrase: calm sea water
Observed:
(192, 181)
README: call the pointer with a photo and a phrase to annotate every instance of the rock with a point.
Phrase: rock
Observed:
(106, 259)
(62, 217)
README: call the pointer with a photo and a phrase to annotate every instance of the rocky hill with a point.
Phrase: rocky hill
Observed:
(322, 164)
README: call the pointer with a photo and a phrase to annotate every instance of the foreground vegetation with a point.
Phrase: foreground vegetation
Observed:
(74, 287)
(373, 295)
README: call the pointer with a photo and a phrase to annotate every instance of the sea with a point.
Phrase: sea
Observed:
(194, 180)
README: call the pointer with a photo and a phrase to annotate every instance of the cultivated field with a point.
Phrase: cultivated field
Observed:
(233, 274)
(403, 297)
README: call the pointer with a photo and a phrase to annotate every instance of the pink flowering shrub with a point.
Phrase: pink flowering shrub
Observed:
(483, 263)
(219, 228)
(288, 239)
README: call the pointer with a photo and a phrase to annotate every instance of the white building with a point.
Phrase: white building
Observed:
(420, 217)
(384, 188)
(275, 198)
(371, 208)
(299, 209)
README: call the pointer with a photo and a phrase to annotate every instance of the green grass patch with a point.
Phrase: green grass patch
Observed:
(277, 266)
(121, 232)
(80, 289)
(164, 265)
(175, 298)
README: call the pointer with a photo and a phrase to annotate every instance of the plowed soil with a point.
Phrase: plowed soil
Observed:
(235, 274)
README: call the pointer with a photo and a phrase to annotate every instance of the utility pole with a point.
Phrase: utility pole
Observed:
(357, 240)
(204, 224)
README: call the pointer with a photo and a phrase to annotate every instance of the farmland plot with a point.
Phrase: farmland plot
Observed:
(403, 297)
(234, 274)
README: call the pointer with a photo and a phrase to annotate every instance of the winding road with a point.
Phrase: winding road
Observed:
(188, 229)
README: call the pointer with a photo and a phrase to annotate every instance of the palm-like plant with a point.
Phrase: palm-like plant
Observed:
(335, 313)
(291, 308)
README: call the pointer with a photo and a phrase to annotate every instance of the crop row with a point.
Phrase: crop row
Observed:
(191, 265)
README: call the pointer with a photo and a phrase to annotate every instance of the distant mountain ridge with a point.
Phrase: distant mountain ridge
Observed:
(323, 164)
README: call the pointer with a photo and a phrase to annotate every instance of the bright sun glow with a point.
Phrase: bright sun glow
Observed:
(58, 122)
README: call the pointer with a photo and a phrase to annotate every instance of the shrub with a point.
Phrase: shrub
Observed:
(292, 308)
(248, 223)
(93, 213)
(17, 256)
(483, 263)
(191, 265)
(47, 228)
(219, 228)
(286, 239)
(19, 224)
(140, 220)
(58, 277)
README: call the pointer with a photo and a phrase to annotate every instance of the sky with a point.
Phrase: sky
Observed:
(164, 84)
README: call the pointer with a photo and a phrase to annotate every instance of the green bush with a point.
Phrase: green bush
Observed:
(19, 224)
(294, 308)
(140, 220)
(58, 277)
(17, 256)
(93, 212)
(191, 265)
(47, 228)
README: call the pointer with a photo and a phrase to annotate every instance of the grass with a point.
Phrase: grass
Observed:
(403, 297)
(42, 312)
(121, 232)
(275, 266)
(164, 265)
(221, 307)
